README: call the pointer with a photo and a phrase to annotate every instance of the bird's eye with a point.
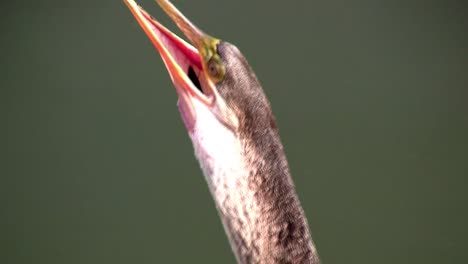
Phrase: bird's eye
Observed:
(215, 68)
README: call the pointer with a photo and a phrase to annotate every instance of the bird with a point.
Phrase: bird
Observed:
(236, 141)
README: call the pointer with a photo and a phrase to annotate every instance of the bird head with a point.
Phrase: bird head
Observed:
(213, 80)
(233, 131)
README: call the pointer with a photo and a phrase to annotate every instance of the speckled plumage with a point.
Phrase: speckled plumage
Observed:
(248, 174)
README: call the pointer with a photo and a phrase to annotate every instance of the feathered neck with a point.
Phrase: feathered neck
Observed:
(249, 179)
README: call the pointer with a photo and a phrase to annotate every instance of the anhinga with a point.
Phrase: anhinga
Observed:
(236, 141)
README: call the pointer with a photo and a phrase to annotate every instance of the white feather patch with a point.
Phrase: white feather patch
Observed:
(220, 155)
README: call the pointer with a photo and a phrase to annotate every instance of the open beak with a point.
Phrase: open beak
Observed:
(182, 60)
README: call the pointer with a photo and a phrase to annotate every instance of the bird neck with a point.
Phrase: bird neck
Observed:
(249, 179)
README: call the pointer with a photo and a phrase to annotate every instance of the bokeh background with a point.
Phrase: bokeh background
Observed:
(370, 98)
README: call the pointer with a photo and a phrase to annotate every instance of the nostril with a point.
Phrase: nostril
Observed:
(194, 78)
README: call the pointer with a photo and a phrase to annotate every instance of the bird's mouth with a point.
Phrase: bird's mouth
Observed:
(182, 60)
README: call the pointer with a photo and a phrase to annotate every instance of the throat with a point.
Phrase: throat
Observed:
(220, 154)
(253, 193)
(227, 174)
(222, 159)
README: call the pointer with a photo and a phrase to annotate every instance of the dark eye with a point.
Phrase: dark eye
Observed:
(215, 68)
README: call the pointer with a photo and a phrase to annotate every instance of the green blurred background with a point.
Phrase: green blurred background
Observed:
(370, 98)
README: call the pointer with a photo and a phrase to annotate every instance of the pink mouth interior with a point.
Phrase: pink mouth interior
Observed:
(185, 56)
(183, 53)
